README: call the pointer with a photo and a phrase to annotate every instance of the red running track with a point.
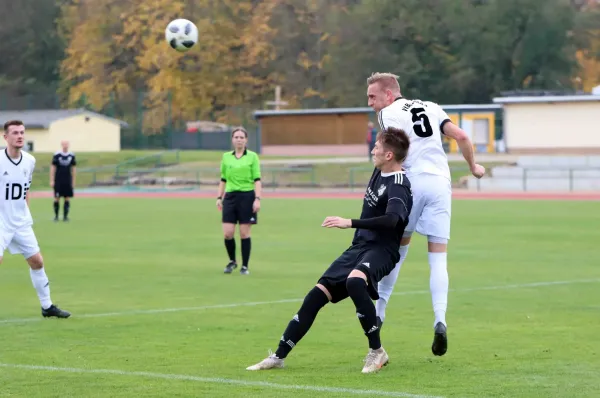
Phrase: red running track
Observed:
(593, 196)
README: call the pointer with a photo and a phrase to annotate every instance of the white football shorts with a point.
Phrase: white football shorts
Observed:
(20, 241)
(432, 205)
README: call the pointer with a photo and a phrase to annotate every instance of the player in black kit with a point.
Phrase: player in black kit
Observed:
(372, 255)
(62, 179)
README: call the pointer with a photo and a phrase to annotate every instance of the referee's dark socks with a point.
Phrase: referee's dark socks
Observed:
(67, 208)
(302, 321)
(56, 209)
(230, 246)
(246, 247)
(365, 310)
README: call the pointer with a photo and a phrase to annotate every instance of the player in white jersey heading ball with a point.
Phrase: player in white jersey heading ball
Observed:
(427, 168)
(16, 232)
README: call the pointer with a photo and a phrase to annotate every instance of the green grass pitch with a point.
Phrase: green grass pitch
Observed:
(523, 315)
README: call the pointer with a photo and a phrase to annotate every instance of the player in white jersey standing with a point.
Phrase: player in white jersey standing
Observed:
(16, 232)
(427, 168)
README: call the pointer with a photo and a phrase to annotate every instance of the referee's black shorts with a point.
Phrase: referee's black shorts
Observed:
(374, 260)
(237, 208)
(63, 190)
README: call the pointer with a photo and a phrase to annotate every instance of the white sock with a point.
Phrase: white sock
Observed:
(438, 285)
(386, 285)
(42, 286)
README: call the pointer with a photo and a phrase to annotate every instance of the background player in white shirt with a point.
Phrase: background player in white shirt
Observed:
(427, 168)
(16, 232)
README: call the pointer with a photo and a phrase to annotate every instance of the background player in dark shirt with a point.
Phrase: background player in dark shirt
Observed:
(62, 179)
(373, 254)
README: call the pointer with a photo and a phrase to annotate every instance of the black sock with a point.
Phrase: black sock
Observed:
(365, 310)
(66, 208)
(246, 246)
(302, 321)
(230, 246)
(56, 209)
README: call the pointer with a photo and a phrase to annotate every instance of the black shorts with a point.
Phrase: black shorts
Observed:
(237, 208)
(375, 261)
(63, 190)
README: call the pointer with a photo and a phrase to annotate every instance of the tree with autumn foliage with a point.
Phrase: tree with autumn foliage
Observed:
(588, 53)
(118, 48)
(96, 63)
(227, 67)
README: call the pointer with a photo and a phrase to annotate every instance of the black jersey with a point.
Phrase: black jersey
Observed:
(64, 162)
(387, 193)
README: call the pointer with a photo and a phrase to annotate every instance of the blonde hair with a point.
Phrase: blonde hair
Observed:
(387, 81)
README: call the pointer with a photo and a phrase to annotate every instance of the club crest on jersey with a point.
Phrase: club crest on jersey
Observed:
(381, 190)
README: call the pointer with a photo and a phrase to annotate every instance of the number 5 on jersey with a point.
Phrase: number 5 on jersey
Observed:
(422, 129)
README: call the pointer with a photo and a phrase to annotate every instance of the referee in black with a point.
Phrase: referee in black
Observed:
(241, 185)
(62, 179)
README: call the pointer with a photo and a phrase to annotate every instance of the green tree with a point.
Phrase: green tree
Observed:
(302, 45)
(460, 51)
(30, 46)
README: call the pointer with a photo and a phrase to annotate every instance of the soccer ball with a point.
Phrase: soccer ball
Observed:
(181, 34)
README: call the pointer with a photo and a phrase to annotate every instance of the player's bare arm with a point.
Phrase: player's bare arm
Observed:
(28, 194)
(336, 222)
(52, 174)
(466, 147)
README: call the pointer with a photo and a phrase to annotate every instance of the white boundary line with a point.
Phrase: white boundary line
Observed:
(257, 303)
(218, 380)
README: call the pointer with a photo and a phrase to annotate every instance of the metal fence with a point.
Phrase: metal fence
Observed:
(165, 172)
(539, 179)
(135, 138)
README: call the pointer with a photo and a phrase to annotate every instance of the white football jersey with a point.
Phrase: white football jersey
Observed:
(423, 122)
(15, 179)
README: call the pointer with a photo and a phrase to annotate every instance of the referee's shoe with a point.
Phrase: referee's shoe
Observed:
(230, 267)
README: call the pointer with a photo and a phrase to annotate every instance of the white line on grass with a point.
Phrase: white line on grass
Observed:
(159, 311)
(257, 303)
(218, 380)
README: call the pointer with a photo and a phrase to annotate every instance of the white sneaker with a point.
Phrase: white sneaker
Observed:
(375, 360)
(270, 362)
